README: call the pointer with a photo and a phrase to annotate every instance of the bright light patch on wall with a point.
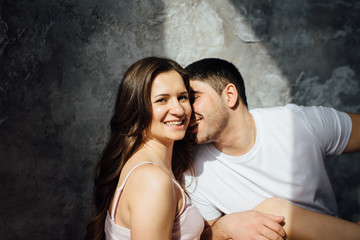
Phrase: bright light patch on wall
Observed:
(200, 29)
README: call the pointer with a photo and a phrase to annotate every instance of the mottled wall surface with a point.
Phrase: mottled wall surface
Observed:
(61, 63)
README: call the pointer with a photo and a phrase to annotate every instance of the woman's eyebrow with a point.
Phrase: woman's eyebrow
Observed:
(166, 94)
(162, 95)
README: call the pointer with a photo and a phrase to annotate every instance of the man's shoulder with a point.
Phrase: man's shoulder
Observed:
(295, 108)
(287, 107)
(276, 112)
(292, 109)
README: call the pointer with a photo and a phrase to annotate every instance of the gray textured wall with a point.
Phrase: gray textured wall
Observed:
(62, 60)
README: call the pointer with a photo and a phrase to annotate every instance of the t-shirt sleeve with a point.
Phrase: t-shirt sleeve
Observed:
(331, 127)
(207, 210)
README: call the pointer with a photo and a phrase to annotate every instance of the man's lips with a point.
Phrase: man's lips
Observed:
(194, 123)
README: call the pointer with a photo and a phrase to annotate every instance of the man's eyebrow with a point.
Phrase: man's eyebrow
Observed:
(192, 91)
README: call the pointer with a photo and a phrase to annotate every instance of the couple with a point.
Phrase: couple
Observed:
(246, 160)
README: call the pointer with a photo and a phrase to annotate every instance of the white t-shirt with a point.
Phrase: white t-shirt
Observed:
(286, 161)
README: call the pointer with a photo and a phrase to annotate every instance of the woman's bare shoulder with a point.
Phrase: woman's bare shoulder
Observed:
(151, 176)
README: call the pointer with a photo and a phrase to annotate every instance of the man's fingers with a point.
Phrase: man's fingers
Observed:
(271, 234)
(261, 237)
(278, 219)
(275, 227)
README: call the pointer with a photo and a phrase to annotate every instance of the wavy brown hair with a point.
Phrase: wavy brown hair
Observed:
(132, 115)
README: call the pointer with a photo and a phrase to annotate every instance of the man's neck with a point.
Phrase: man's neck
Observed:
(239, 136)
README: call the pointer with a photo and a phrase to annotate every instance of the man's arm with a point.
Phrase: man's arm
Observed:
(244, 225)
(354, 141)
(208, 234)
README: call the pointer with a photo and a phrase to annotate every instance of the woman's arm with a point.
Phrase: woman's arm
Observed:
(152, 203)
(304, 224)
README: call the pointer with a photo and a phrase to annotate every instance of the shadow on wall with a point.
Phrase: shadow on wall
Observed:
(316, 45)
(61, 63)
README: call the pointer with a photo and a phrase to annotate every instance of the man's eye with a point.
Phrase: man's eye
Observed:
(193, 98)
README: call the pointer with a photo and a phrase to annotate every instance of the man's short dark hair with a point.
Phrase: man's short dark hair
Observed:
(218, 74)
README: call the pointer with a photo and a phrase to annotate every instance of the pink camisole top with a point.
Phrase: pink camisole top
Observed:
(188, 223)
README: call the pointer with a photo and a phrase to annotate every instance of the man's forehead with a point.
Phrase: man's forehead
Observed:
(197, 85)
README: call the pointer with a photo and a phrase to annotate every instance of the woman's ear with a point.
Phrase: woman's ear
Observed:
(231, 95)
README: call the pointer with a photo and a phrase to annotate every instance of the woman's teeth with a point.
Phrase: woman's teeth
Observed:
(174, 123)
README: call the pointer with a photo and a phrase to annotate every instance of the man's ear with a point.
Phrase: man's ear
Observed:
(231, 95)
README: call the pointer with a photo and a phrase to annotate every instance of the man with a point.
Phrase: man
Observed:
(246, 157)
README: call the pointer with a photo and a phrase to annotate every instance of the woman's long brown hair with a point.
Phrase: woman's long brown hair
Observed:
(132, 115)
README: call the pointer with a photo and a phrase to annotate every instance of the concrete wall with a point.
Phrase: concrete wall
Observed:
(61, 63)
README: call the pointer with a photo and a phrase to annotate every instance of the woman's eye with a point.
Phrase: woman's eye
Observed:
(183, 98)
(160, 100)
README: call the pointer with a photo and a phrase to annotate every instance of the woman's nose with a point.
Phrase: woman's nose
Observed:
(177, 108)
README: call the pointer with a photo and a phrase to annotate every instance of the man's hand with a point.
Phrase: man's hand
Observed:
(245, 226)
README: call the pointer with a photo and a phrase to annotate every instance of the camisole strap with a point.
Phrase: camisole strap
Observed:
(183, 197)
(118, 190)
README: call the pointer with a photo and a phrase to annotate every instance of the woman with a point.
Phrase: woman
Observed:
(137, 192)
